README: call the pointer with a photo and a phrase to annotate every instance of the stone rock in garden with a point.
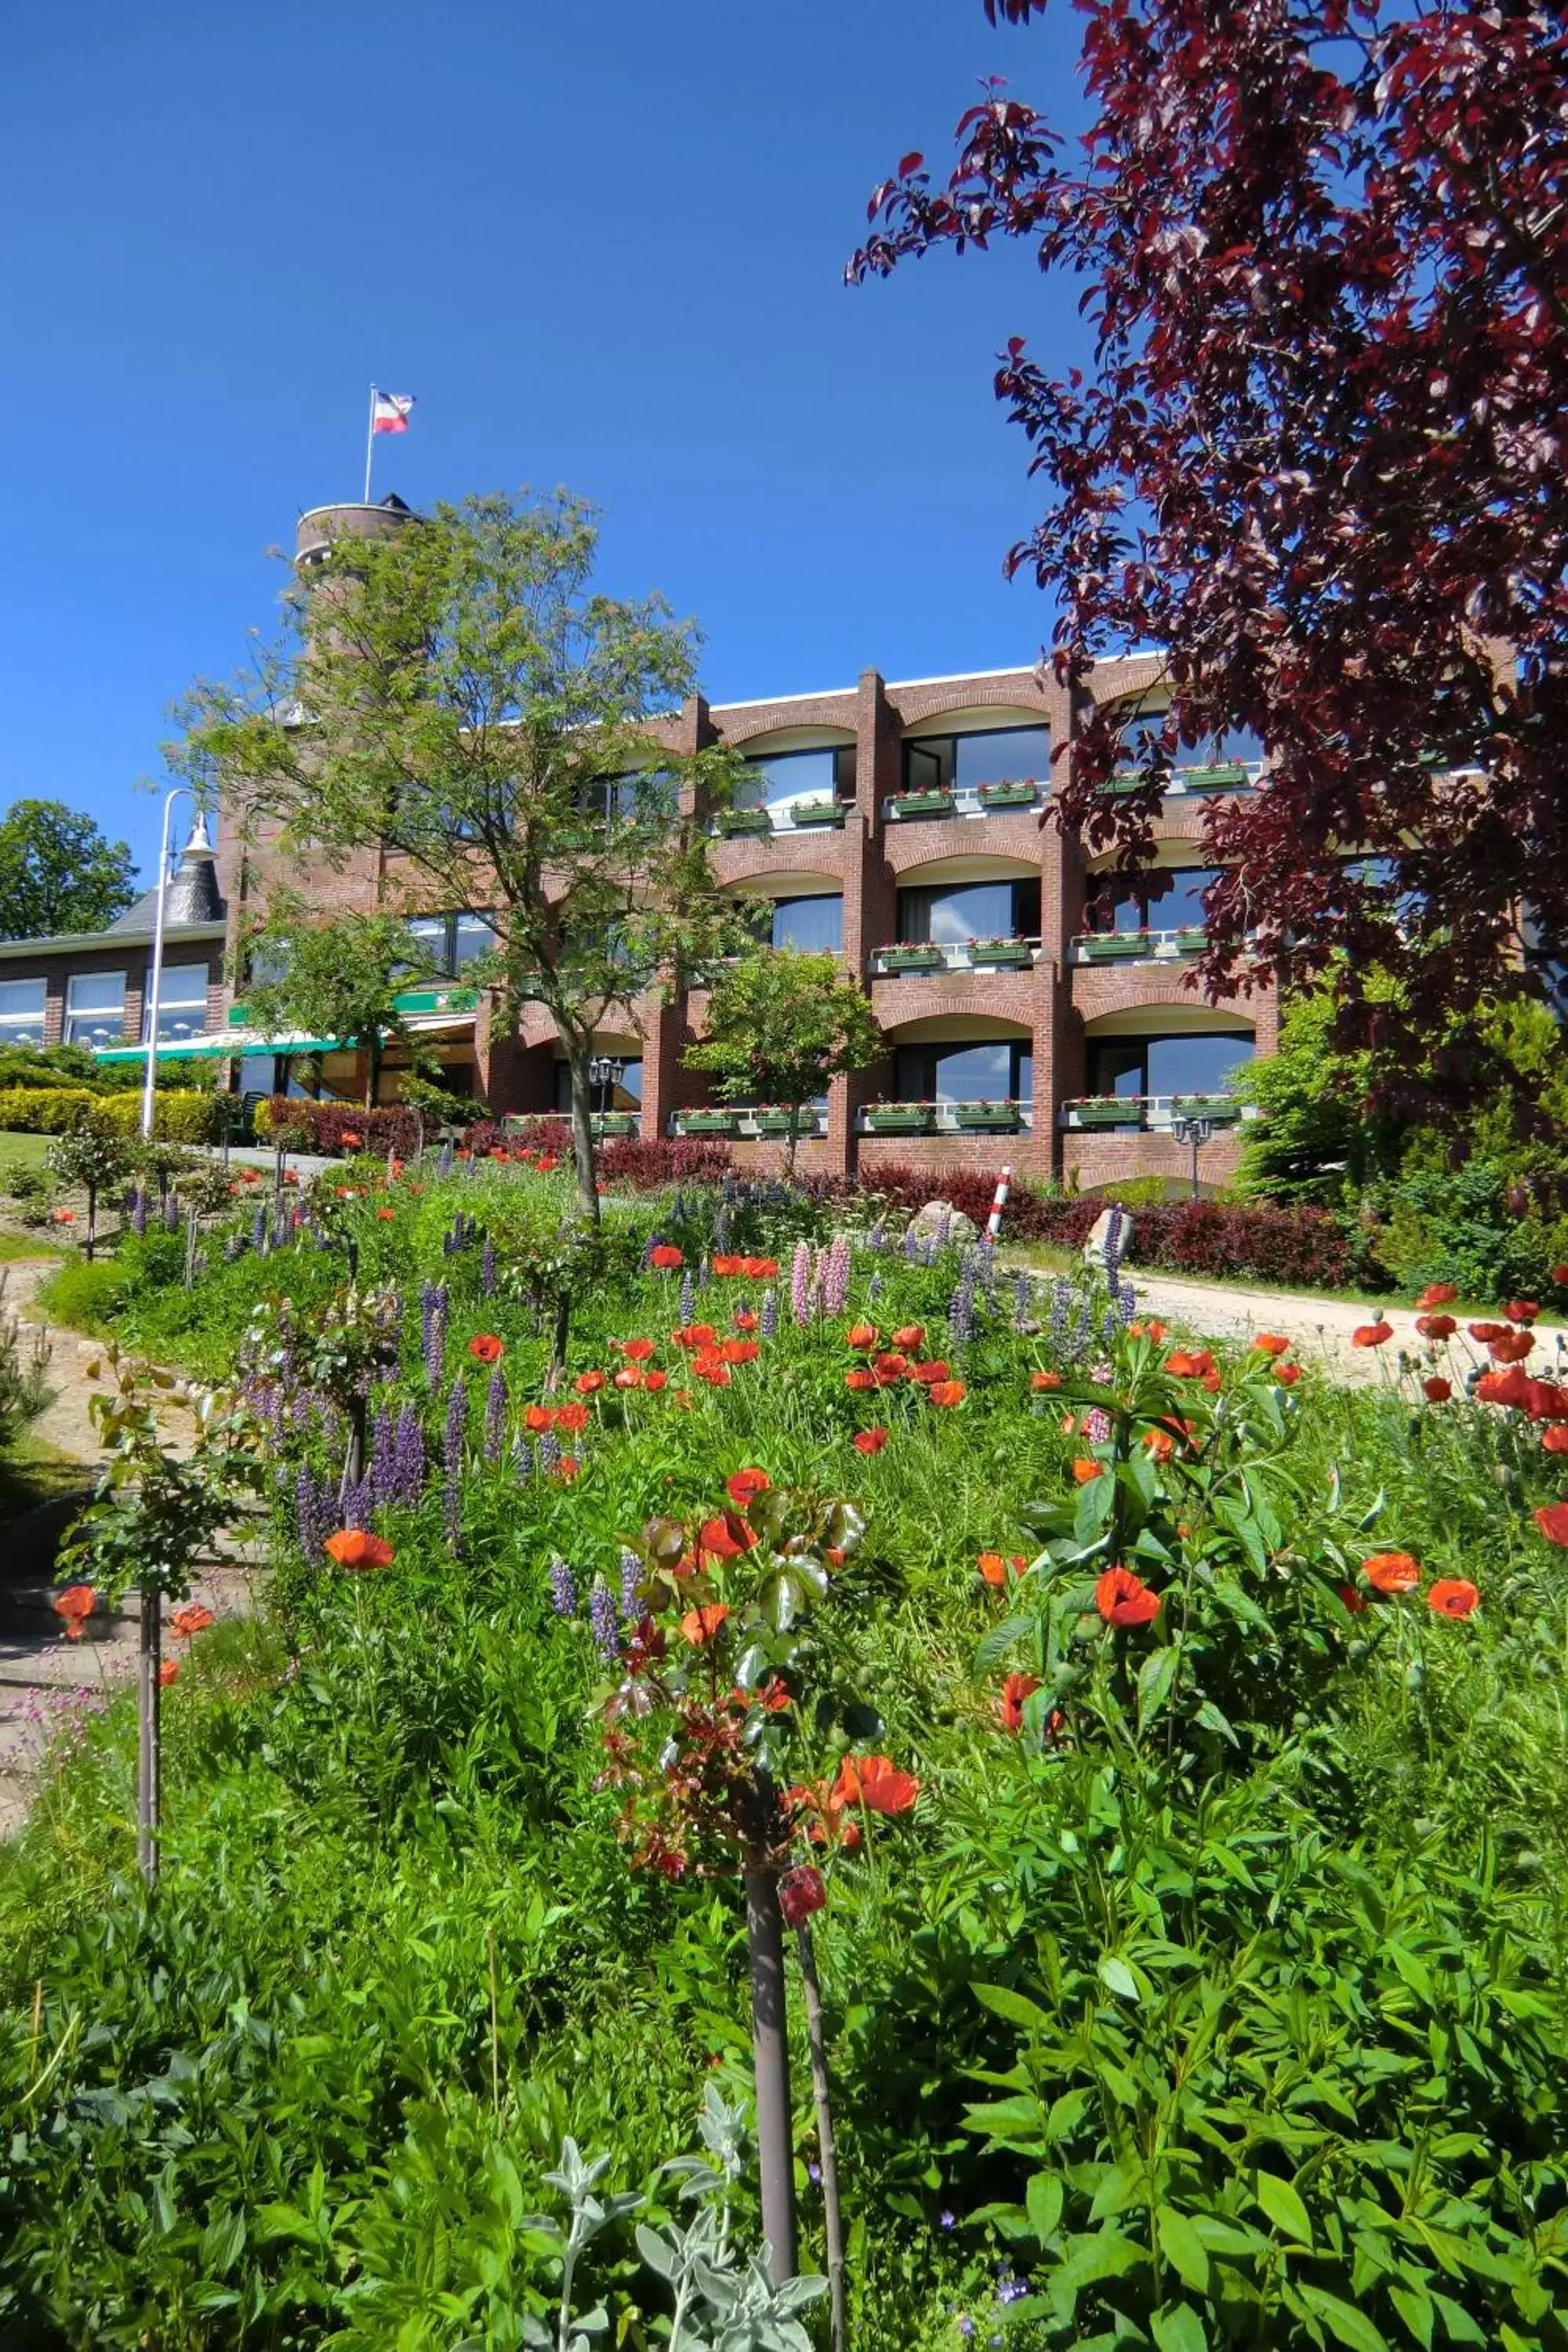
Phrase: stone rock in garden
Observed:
(940, 1217)
(1100, 1234)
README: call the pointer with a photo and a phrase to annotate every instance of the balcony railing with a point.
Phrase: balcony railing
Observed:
(1006, 797)
(1151, 1113)
(1139, 947)
(1195, 783)
(1000, 1117)
(910, 959)
(812, 812)
(747, 1123)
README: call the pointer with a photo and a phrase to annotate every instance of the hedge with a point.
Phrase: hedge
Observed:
(339, 1126)
(52, 1110)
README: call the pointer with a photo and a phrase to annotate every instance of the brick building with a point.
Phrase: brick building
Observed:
(1037, 1007)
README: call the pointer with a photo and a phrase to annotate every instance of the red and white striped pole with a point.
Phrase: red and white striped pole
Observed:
(994, 1222)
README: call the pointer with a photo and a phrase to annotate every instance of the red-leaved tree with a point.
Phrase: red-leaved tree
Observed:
(1321, 456)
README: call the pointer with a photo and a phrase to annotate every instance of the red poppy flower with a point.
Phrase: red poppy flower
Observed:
(1522, 1310)
(1271, 1343)
(801, 1892)
(868, 1441)
(1438, 1294)
(1159, 1444)
(1547, 1400)
(861, 1335)
(537, 1416)
(588, 1383)
(497, 1153)
(357, 1548)
(1085, 1472)
(1124, 1600)
(1391, 1572)
(486, 1349)
(566, 1469)
(741, 1484)
(743, 1319)
(1485, 1333)
(722, 1267)
(947, 1392)
(1372, 1335)
(250, 1175)
(862, 1377)
(910, 1338)
(1189, 1363)
(700, 1625)
(739, 1352)
(1435, 1390)
(571, 1417)
(666, 1257)
(65, 1216)
(775, 1697)
(890, 1368)
(760, 1269)
(1510, 1388)
(1045, 1379)
(1436, 1327)
(694, 1334)
(169, 1673)
(875, 1782)
(1286, 1374)
(635, 1352)
(1554, 1440)
(1560, 1276)
(716, 1375)
(190, 1619)
(76, 1605)
(386, 1216)
(1016, 1689)
(1452, 1596)
(1552, 1518)
(349, 1142)
(726, 1537)
(629, 1377)
(1356, 1602)
(993, 1568)
(656, 1381)
(1513, 1347)
(930, 1375)
(547, 1163)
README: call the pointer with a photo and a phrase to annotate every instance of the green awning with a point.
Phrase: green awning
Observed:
(234, 1042)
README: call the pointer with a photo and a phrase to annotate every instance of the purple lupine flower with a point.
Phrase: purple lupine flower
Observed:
(139, 1214)
(488, 1269)
(1126, 1302)
(1097, 1425)
(408, 1458)
(768, 1315)
(258, 1227)
(456, 1429)
(562, 1589)
(686, 1311)
(495, 1415)
(602, 1620)
(1061, 1302)
(548, 1453)
(943, 1227)
(172, 1215)
(835, 1277)
(874, 1287)
(986, 1265)
(521, 1457)
(800, 1284)
(913, 1251)
(961, 1311)
(877, 1239)
(1115, 1243)
(433, 1308)
(382, 1457)
(444, 1164)
(631, 1581)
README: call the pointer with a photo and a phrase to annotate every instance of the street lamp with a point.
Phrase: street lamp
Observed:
(605, 1073)
(1195, 1131)
(155, 982)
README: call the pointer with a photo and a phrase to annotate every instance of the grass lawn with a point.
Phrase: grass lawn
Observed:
(22, 1150)
(32, 1473)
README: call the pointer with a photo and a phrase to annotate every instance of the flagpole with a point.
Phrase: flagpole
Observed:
(369, 443)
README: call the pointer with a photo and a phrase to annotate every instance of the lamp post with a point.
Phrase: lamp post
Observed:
(157, 980)
(605, 1073)
(1195, 1131)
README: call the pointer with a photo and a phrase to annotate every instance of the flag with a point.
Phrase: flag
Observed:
(389, 413)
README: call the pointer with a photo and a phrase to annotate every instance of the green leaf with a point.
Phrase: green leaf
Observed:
(1415, 2308)
(1118, 1978)
(1155, 1677)
(1000, 1640)
(1043, 2204)
(1345, 2323)
(1178, 2328)
(1015, 2007)
(1183, 2249)
(1284, 2208)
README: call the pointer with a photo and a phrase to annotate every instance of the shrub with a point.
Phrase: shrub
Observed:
(52, 1109)
(1292, 1246)
(387, 1128)
(669, 1159)
(57, 1110)
(85, 1294)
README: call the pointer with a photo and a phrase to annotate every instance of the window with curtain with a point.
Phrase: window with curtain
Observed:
(1179, 1064)
(774, 779)
(181, 1002)
(815, 926)
(961, 763)
(991, 1069)
(95, 1008)
(1167, 898)
(22, 1004)
(948, 913)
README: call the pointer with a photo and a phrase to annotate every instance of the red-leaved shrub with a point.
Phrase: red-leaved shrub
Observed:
(388, 1127)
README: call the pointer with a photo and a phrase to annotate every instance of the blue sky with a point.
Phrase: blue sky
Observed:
(603, 245)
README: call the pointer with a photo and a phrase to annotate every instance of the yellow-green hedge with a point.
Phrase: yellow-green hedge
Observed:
(179, 1118)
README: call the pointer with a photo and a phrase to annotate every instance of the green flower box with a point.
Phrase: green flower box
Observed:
(1191, 938)
(776, 1122)
(1213, 780)
(616, 1123)
(1123, 1112)
(1221, 1108)
(1000, 1117)
(1014, 953)
(910, 959)
(1008, 796)
(706, 1122)
(817, 813)
(908, 804)
(1124, 780)
(1116, 947)
(744, 821)
(898, 1118)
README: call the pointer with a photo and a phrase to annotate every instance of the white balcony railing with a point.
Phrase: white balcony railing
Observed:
(1152, 1114)
(912, 959)
(1098, 948)
(999, 1118)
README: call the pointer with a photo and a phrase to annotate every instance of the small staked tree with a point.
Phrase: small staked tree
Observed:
(94, 1157)
(781, 1024)
(458, 696)
(334, 976)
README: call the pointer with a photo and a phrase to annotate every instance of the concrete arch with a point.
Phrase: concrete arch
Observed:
(1170, 1018)
(954, 1022)
(760, 737)
(975, 867)
(965, 717)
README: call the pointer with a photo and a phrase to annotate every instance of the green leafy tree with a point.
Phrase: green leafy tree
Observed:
(57, 873)
(780, 1025)
(458, 694)
(95, 1158)
(335, 975)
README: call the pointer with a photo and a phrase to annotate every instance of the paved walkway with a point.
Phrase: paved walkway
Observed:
(49, 1687)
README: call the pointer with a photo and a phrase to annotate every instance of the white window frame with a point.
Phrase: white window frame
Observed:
(93, 1012)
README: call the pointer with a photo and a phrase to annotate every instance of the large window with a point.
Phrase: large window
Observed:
(453, 941)
(1186, 1064)
(951, 912)
(1236, 746)
(961, 763)
(774, 779)
(624, 1093)
(995, 1069)
(815, 926)
(181, 1002)
(22, 1003)
(95, 1008)
(1167, 898)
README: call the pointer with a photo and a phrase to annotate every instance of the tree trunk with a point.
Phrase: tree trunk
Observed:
(91, 1221)
(353, 1458)
(832, 2217)
(582, 1130)
(770, 2060)
(371, 1067)
(149, 1695)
